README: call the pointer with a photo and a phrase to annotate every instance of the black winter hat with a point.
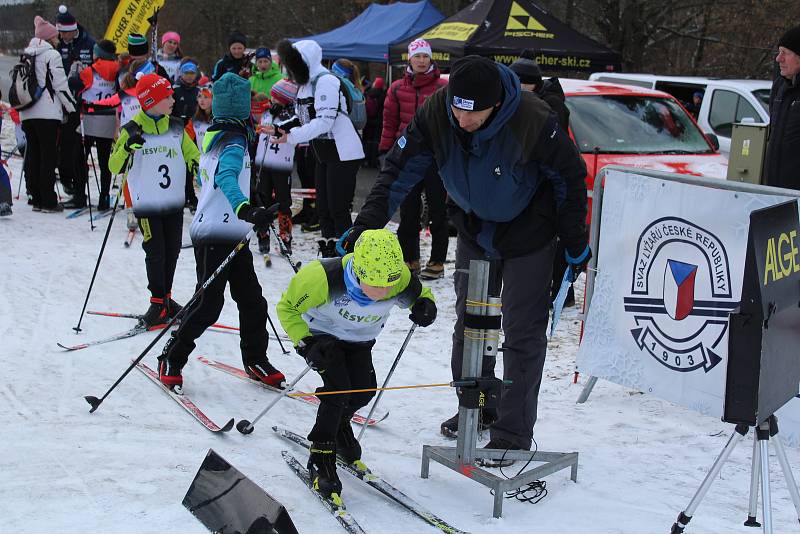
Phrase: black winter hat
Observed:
(474, 84)
(137, 45)
(65, 21)
(105, 49)
(527, 69)
(237, 37)
(292, 59)
(791, 40)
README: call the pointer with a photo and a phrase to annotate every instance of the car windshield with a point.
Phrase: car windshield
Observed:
(762, 95)
(633, 125)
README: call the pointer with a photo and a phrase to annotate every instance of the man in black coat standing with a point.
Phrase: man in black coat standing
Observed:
(76, 47)
(515, 181)
(782, 163)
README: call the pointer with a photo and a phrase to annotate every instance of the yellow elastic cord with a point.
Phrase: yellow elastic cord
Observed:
(479, 303)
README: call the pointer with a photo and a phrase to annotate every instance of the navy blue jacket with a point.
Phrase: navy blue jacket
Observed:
(512, 185)
(80, 49)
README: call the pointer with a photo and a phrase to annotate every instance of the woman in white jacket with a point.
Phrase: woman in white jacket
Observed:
(40, 122)
(322, 109)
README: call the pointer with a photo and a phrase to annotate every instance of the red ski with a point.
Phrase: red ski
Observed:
(185, 402)
(310, 399)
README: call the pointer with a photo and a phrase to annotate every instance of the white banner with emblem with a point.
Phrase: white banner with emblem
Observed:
(670, 265)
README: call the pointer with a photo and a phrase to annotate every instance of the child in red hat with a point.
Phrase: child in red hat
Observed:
(158, 151)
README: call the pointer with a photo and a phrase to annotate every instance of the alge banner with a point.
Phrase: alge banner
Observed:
(130, 17)
(670, 266)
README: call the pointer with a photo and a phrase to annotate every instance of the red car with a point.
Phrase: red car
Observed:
(625, 125)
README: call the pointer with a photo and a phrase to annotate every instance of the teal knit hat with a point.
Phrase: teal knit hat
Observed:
(231, 98)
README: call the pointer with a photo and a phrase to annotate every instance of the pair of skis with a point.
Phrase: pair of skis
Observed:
(373, 480)
(95, 217)
(310, 399)
(138, 329)
(135, 331)
(187, 404)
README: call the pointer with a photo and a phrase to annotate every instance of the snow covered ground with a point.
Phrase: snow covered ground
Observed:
(126, 468)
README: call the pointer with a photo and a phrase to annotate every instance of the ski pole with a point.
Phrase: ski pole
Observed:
(388, 377)
(94, 402)
(88, 189)
(275, 331)
(94, 171)
(100, 256)
(22, 174)
(246, 427)
(284, 251)
(558, 302)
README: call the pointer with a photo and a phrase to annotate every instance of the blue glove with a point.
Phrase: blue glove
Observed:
(347, 242)
(577, 264)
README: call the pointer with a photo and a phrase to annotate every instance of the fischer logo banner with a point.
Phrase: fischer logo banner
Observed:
(670, 266)
(522, 24)
(130, 17)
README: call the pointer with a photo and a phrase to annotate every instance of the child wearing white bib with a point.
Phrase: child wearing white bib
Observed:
(158, 151)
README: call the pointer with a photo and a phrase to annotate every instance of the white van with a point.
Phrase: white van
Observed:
(725, 102)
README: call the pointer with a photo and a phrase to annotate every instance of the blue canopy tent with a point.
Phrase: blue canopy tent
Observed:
(367, 37)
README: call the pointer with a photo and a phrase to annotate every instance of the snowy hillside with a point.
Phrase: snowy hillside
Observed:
(126, 468)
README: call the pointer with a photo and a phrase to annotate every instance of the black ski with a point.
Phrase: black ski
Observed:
(371, 479)
(336, 508)
(185, 402)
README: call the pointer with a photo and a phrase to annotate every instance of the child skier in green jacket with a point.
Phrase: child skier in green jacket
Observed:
(160, 151)
(333, 310)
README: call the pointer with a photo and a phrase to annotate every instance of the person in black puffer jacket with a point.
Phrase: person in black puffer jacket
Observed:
(235, 61)
(782, 162)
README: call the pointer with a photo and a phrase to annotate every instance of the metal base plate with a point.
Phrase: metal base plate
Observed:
(548, 463)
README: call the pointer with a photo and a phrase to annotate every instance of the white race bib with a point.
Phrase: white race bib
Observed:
(215, 220)
(157, 179)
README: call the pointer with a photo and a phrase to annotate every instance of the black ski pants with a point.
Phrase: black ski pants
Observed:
(71, 158)
(240, 276)
(161, 241)
(40, 161)
(336, 185)
(352, 369)
(409, 228)
(274, 186)
(525, 308)
(307, 172)
(103, 146)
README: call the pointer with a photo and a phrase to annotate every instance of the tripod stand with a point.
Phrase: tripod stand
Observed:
(759, 471)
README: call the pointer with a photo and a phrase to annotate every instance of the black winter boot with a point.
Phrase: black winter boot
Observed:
(261, 370)
(449, 428)
(156, 314)
(171, 361)
(322, 469)
(173, 308)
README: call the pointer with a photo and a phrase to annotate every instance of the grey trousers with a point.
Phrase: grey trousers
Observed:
(525, 298)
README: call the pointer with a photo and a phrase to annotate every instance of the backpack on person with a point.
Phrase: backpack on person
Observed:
(356, 104)
(25, 88)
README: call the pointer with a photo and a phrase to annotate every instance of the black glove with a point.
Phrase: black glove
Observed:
(260, 218)
(319, 351)
(347, 242)
(423, 312)
(134, 142)
(577, 264)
